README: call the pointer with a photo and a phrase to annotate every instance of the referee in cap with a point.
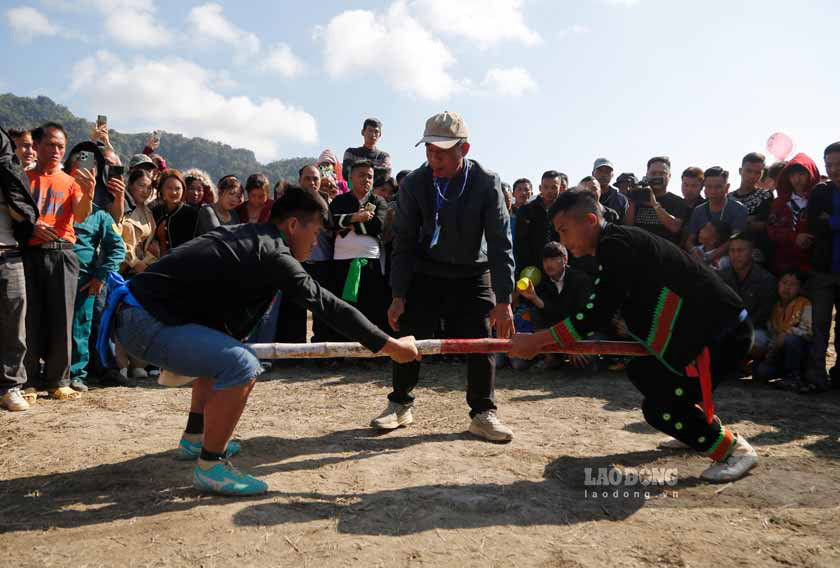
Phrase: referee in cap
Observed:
(452, 259)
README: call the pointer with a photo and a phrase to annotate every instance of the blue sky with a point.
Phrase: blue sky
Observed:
(542, 84)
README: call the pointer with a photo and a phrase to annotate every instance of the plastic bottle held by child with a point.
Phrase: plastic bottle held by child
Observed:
(529, 275)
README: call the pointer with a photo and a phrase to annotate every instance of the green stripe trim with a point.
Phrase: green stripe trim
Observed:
(572, 331)
(554, 335)
(654, 326)
(714, 447)
(655, 354)
(657, 313)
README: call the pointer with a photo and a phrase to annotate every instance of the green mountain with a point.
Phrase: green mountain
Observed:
(180, 152)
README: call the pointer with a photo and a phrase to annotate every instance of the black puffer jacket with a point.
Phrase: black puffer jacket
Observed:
(15, 187)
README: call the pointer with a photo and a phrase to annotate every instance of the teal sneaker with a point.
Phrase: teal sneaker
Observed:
(192, 450)
(224, 479)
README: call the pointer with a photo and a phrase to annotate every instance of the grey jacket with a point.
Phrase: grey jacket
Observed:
(474, 235)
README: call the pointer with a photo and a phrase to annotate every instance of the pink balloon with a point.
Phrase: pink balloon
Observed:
(779, 145)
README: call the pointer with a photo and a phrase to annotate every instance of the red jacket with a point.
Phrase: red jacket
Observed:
(787, 221)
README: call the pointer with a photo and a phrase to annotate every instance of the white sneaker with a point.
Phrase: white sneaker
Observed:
(740, 461)
(488, 426)
(13, 400)
(394, 416)
(672, 444)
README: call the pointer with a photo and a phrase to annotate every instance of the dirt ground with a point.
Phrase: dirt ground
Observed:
(94, 482)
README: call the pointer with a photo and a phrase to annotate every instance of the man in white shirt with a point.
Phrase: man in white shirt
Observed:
(358, 218)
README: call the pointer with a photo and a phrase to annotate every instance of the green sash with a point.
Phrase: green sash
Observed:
(354, 276)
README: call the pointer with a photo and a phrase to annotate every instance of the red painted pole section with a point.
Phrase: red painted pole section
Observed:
(467, 346)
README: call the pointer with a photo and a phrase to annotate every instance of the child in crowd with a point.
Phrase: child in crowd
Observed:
(791, 332)
(561, 290)
(713, 235)
(524, 314)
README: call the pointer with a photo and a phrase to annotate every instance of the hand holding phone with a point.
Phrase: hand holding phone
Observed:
(85, 160)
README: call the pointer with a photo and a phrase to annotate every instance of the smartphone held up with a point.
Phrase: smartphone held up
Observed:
(85, 161)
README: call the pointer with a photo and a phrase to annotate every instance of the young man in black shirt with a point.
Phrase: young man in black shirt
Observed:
(693, 325)
(758, 203)
(180, 315)
(371, 133)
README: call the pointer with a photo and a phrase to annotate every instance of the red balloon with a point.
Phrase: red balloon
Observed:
(779, 145)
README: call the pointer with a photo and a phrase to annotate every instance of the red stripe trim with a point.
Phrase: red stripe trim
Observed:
(725, 445)
(563, 335)
(666, 320)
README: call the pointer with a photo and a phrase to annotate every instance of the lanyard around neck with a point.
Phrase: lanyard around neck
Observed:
(441, 200)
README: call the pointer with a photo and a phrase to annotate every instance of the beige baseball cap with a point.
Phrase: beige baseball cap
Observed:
(444, 130)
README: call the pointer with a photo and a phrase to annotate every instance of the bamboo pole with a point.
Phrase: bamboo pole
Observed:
(439, 347)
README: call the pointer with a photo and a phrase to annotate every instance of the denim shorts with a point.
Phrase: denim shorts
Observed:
(191, 350)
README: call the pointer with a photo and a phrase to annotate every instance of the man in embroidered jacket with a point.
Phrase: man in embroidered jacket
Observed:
(677, 308)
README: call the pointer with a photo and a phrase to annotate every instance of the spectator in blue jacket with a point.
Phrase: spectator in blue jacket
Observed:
(100, 250)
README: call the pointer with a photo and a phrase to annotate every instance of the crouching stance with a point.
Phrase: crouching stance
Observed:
(187, 311)
(694, 326)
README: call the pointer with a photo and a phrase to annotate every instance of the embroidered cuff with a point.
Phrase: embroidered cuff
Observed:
(564, 333)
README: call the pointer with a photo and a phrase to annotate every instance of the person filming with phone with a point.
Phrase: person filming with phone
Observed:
(51, 266)
(651, 207)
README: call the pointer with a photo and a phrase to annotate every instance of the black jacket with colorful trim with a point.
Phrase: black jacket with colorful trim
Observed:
(347, 204)
(674, 305)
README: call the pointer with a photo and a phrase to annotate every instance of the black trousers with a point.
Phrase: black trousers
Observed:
(464, 304)
(670, 403)
(52, 277)
(291, 323)
(322, 272)
(372, 300)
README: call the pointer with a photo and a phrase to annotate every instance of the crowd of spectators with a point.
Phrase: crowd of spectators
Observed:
(70, 218)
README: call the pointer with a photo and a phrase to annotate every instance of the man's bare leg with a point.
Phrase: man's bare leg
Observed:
(214, 473)
(222, 410)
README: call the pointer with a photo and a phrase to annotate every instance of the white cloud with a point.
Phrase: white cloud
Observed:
(361, 43)
(485, 22)
(178, 95)
(282, 60)
(509, 82)
(26, 23)
(209, 24)
(576, 29)
(134, 23)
